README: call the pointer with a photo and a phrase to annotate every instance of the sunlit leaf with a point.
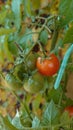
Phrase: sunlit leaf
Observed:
(50, 113)
(16, 121)
(17, 12)
(35, 122)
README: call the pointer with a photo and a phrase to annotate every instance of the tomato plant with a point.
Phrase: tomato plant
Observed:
(48, 66)
(36, 64)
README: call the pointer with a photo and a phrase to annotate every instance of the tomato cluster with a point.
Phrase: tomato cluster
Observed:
(25, 75)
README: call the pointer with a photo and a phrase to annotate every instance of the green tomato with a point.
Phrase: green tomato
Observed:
(34, 83)
(19, 71)
(31, 62)
(13, 82)
(26, 122)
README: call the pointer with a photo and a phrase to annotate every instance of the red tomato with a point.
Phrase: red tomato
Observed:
(48, 67)
(69, 109)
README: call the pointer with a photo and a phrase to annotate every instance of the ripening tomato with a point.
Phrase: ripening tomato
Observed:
(48, 66)
(69, 109)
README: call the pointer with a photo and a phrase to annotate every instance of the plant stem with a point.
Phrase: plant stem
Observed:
(18, 46)
(54, 39)
(42, 49)
(29, 51)
(60, 99)
(1, 74)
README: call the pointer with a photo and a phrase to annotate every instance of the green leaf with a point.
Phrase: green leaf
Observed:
(3, 16)
(55, 95)
(50, 113)
(36, 4)
(65, 118)
(5, 31)
(13, 82)
(66, 11)
(68, 38)
(24, 118)
(4, 52)
(17, 12)
(2, 125)
(44, 37)
(2, 48)
(35, 122)
(8, 124)
(27, 8)
(36, 102)
(16, 121)
(26, 39)
(13, 48)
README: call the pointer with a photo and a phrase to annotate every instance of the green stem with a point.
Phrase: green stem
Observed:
(25, 57)
(42, 49)
(18, 46)
(1, 74)
(60, 99)
(54, 39)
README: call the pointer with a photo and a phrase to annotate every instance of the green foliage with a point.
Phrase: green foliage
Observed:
(65, 119)
(25, 40)
(13, 48)
(55, 95)
(18, 19)
(65, 11)
(8, 125)
(68, 38)
(16, 121)
(3, 16)
(13, 82)
(35, 123)
(35, 4)
(50, 113)
(44, 37)
(17, 12)
(2, 125)
(27, 8)
(4, 31)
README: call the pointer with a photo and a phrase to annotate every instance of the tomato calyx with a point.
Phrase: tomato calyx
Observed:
(48, 66)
